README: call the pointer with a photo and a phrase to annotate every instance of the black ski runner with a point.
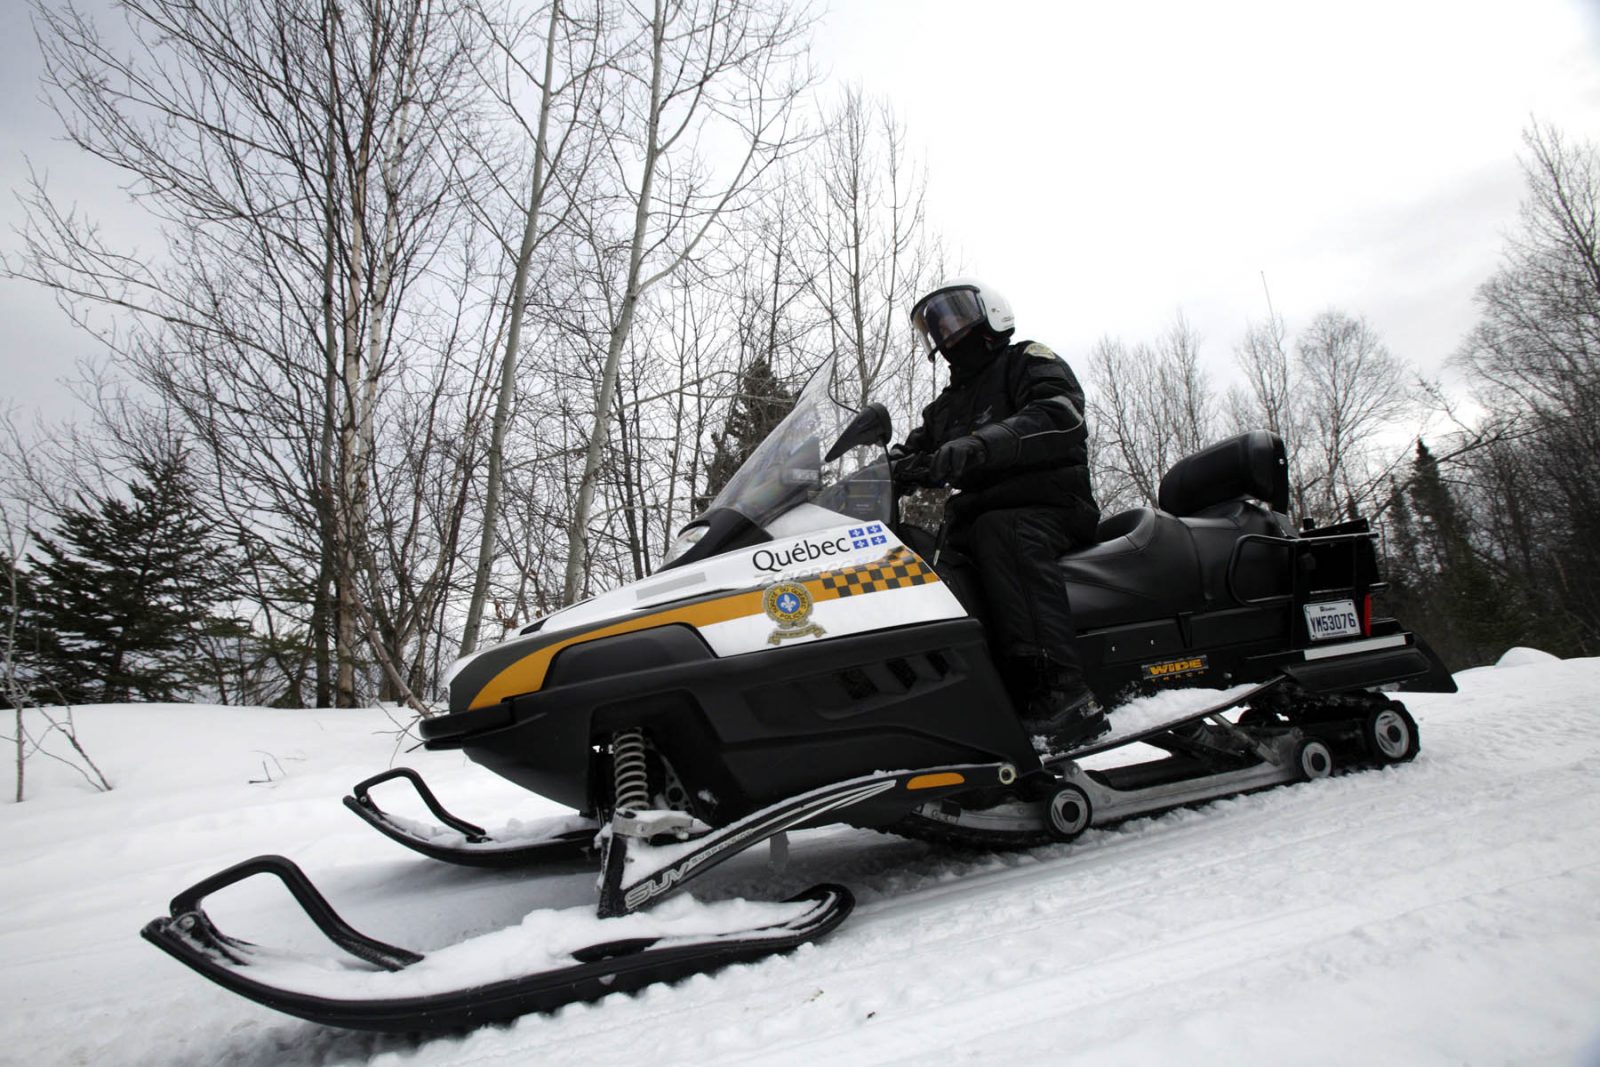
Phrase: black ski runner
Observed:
(637, 872)
(465, 843)
(593, 972)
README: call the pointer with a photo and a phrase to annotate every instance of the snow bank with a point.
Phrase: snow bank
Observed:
(1525, 657)
(1442, 912)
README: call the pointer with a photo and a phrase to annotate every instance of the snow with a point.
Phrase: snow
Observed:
(1525, 657)
(515, 832)
(543, 940)
(1442, 912)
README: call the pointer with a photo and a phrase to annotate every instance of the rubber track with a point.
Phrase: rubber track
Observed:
(1300, 709)
(966, 838)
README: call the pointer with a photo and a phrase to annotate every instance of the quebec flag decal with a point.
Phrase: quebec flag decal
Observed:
(864, 536)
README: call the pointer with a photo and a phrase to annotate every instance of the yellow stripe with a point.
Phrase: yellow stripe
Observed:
(527, 674)
(934, 781)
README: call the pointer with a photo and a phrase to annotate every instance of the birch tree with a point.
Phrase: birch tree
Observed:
(300, 158)
(698, 71)
(565, 67)
(1150, 405)
(1351, 388)
(866, 231)
(1331, 401)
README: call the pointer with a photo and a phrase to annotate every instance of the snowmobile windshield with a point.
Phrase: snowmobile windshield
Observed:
(788, 470)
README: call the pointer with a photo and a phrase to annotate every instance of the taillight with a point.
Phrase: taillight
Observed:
(1366, 615)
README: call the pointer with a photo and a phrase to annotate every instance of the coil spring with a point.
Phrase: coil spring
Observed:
(630, 773)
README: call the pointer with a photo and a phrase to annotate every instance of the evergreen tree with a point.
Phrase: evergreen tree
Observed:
(127, 591)
(1535, 359)
(1470, 613)
(1402, 564)
(19, 638)
(760, 404)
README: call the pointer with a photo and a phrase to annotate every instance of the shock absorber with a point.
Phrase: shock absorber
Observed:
(630, 772)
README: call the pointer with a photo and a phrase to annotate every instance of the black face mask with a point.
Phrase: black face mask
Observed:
(969, 355)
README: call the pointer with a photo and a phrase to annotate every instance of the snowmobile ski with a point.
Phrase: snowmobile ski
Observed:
(623, 965)
(648, 856)
(461, 842)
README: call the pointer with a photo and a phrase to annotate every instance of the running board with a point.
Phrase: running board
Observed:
(618, 966)
(461, 842)
(1110, 805)
(1144, 733)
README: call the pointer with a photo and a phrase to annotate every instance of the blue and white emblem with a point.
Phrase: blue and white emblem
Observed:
(789, 605)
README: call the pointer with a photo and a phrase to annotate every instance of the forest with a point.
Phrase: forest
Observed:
(462, 310)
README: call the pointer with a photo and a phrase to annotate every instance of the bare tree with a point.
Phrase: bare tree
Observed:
(1150, 406)
(301, 157)
(1332, 403)
(1351, 389)
(726, 70)
(866, 231)
(1535, 358)
(13, 689)
(38, 715)
(566, 70)
(1538, 339)
(1267, 402)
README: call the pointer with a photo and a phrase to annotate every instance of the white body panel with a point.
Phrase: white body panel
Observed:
(816, 541)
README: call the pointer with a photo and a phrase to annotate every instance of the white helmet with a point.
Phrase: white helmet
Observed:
(950, 312)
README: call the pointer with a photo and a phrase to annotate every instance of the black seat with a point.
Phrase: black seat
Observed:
(1150, 563)
(1251, 466)
(1145, 564)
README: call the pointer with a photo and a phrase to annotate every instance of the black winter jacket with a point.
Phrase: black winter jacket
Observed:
(1026, 405)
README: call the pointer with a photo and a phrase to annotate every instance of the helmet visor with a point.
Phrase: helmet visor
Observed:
(945, 317)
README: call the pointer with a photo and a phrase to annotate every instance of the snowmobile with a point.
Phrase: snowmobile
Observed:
(803, 657)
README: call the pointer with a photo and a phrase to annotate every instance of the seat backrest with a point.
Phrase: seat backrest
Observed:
(1252, 465)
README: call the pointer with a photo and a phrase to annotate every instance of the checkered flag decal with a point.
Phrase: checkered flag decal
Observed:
(900, 569)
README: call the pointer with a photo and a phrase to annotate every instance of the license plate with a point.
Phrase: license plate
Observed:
(1332, 618)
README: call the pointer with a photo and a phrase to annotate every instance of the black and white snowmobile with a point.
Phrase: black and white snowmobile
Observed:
(799, 660)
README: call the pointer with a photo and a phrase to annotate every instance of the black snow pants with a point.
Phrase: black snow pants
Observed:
(1013, 552)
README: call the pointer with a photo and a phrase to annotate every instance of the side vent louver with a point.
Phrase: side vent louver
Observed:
(857, 684)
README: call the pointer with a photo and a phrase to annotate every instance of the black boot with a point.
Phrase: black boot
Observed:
(1063, 710)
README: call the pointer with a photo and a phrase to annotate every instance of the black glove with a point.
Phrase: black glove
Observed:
(956, 457)
(908, 469)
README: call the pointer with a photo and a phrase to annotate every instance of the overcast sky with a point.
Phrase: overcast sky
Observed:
(1107, 164)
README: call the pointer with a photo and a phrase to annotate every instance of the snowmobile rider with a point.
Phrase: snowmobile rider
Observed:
(1008, 432)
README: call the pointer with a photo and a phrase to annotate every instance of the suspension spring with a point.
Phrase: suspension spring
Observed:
(630, 772)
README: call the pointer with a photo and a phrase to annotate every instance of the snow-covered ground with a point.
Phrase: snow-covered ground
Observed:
(1442, 912)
